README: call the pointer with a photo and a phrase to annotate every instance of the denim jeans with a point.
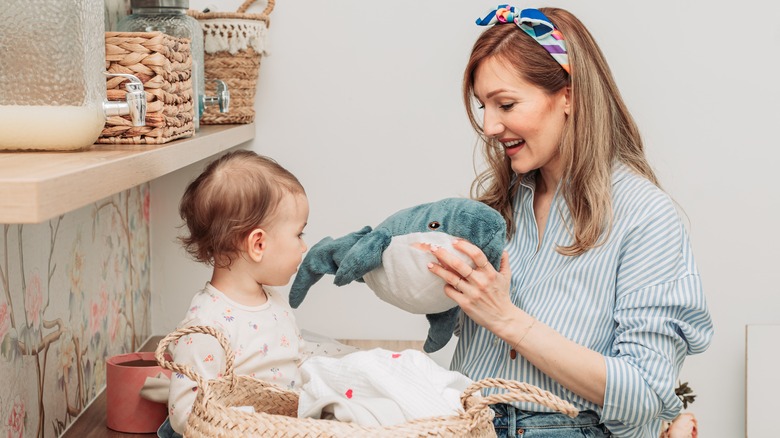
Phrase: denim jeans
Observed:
(166, 431)
(511, 422)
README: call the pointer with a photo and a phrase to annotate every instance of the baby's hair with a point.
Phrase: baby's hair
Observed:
(235, 194)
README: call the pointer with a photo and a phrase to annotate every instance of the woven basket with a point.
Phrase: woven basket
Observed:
(234, 45)
(276, 408)
(164, 65)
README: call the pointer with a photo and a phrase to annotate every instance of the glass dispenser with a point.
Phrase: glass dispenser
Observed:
(52, 82)
(170, 17)
(116, 10)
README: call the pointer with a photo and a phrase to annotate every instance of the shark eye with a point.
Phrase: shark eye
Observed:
(434, 225)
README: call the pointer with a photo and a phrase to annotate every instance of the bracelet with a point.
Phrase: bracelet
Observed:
(527, 330)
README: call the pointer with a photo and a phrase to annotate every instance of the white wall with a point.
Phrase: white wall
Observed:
(361, 100)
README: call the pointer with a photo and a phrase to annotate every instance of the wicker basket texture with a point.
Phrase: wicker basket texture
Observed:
(164, 65)
(276, 408)
(233, 51)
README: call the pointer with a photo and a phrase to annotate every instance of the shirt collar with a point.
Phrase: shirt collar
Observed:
(527, 180)
(620, 171)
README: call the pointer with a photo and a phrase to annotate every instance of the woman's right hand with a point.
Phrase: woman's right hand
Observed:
(483, 294)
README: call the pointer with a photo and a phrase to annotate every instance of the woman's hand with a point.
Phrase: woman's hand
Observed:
(482, 292)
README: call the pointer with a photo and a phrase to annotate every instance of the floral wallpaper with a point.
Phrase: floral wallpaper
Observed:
(73, 291)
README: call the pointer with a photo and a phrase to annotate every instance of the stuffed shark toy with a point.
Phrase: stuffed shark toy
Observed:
(392, 259)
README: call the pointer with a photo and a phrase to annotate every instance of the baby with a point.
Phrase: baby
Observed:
(245, 215)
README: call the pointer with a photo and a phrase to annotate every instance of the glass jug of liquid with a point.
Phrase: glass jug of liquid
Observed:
(52, 82)
(170, 17)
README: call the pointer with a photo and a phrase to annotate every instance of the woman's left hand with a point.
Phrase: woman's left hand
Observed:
(482, 292)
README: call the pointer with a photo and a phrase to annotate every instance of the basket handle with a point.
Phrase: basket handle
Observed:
(517, 391)
(242, 9)
(159, 354)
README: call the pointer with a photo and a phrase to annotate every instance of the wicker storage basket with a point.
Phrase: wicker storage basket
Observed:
(234, 45)
(164, 64)
(276, 408)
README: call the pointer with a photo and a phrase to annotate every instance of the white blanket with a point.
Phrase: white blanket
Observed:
(379, 388)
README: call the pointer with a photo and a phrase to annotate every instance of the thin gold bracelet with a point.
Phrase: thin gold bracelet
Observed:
(528, 330)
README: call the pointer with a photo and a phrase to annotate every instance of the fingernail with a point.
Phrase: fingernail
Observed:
(455, 241)
(434, 247)
(430, 265)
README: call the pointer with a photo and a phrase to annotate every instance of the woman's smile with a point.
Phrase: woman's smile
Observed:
(512, 146)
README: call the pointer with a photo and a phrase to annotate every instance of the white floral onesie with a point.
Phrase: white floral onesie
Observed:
(265, 340)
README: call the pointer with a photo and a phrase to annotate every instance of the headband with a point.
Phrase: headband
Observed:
(537, 25)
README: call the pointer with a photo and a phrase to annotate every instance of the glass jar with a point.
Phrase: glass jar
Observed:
(52, 87)
(170, 17)
(115, 10)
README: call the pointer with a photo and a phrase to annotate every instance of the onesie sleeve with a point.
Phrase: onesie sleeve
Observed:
(660, 316)
(206, 357)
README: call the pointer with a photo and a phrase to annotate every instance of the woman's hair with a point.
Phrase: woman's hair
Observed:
(598, 132)
(234, 195)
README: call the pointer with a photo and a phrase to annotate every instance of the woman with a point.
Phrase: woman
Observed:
(598, 299)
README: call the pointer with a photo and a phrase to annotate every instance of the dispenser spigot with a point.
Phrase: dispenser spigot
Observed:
(222, 98)
(134, 104)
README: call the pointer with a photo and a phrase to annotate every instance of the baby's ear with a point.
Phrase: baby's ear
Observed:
(254, 244)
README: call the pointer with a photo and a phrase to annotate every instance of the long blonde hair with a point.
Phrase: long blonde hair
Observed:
(598, 132)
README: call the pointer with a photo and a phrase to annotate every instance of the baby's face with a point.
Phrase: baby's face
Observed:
(284, 244)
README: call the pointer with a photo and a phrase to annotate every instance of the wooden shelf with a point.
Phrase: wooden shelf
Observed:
(37, 186)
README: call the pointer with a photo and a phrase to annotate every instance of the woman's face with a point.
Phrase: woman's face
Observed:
(525, 119)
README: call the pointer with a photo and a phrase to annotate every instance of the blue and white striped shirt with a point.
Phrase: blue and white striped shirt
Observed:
(637, 299)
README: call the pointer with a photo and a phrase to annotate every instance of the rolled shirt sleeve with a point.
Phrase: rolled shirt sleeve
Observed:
(660, 316)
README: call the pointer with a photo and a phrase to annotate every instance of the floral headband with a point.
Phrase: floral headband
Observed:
(537, 25)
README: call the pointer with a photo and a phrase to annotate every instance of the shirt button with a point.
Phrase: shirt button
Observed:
(495, 341)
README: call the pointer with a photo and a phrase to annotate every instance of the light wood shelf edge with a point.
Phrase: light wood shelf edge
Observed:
(37, 186)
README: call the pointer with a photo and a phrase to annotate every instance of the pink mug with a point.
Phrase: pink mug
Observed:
(126, 410)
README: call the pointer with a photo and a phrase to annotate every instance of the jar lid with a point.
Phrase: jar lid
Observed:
(185, 4)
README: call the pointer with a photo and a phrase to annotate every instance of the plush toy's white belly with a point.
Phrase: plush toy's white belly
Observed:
(404, 280)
